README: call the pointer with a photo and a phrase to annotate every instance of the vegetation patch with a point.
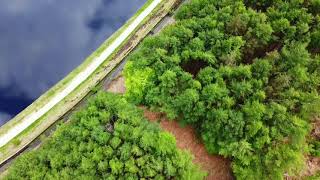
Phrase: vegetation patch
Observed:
(109, 139)
(33, 131)
(244, 73)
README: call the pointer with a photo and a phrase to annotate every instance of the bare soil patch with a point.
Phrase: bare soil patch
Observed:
(313, 166)
(217, 166)
(117, 85)
(313, 163)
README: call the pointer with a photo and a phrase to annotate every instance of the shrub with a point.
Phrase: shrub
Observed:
(109, 139)
(242, 73)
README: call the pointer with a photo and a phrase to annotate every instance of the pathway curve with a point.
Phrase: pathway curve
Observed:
(218, 168)
(82, 76)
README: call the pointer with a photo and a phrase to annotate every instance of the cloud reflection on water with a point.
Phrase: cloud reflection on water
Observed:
(42, 41)
(4, 117)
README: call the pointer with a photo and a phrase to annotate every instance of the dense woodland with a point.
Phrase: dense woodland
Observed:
(109, 139)
(244, 73)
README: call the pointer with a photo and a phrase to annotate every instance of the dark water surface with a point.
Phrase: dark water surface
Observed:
(41, 41)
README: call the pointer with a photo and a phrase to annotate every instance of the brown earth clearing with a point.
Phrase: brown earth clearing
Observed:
(116, 86)
(218, 168)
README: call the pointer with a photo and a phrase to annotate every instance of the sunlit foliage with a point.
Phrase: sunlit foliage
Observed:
(244, 73)
(109, 139)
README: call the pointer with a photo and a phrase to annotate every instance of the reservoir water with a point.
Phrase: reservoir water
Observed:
(41, 41)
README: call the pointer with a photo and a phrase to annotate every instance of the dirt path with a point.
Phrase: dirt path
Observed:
(217, 166)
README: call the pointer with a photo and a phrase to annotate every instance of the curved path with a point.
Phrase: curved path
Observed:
(32, 117)
(217, 167)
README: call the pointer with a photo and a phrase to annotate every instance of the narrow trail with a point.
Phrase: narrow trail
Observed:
(217, 166)
(82, 76)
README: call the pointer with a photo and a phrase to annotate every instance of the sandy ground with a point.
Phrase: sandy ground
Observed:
(217, 166)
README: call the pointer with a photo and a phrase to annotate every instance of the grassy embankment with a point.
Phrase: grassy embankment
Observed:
(28, 135)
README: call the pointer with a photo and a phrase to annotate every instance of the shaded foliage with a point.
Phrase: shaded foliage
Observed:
(84, 148)
(243, 72)
(314, 146)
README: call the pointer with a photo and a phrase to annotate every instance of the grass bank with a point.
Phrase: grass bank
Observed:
(83, 89)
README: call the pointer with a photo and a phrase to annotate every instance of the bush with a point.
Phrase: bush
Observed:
(314, 147)
(243, 73)
(109, 139)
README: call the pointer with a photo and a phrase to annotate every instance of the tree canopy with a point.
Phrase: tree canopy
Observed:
(244, 73)
(109, 139)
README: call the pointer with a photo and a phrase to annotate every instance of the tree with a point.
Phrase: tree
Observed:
(83, 148)
(245, 74)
